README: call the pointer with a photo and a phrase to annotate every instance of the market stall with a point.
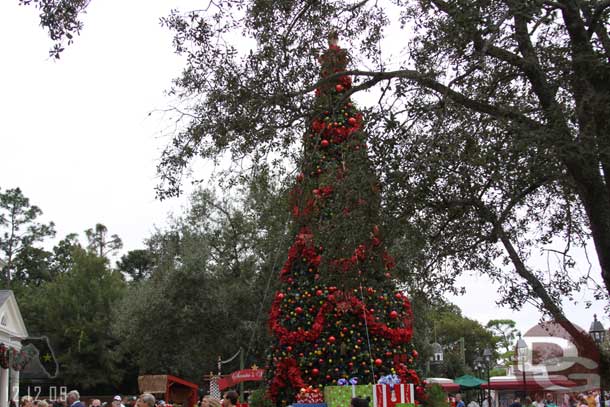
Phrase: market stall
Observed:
(172, 389)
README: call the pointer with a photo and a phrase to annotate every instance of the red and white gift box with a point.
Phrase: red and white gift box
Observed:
(384, 396)
(310, 395)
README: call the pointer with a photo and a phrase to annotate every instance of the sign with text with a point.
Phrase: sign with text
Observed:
(246, 375)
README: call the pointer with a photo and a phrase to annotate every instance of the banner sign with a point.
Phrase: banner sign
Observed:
(246, 375)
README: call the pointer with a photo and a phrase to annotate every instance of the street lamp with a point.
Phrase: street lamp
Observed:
(522, 357)
(480, 371)
(487, 359)
(598, 333)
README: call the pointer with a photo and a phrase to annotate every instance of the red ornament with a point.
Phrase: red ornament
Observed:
(331, 339)
(289, 348)
(315, 372)
(398, 296)
(376, 230)
(324, 143)
(414, 353)
(378, 362)
(280, 296)
(319, 292)
(298, 310)
(300, 177)
(352, 121)
(339, 88)
(393, 314)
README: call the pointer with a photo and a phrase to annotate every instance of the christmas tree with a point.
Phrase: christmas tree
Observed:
(338, 314)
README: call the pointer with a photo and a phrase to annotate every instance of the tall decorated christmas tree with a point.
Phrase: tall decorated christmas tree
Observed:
(338, 314)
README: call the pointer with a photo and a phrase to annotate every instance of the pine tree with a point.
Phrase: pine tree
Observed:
(338, 313)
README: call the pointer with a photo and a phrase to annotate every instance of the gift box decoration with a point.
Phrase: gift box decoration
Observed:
(341, 396)
(310, 395)
(386, 395)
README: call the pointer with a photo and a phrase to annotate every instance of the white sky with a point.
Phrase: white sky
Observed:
(75, 134)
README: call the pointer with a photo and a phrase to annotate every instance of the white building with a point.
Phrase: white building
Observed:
(12, 332)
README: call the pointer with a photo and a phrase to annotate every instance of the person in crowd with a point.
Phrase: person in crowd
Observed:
(43, 403)
(209, 401)
(539, 400)
(487, 403)
(590, 398)
(459, 402)
(26, 401)
(516, 402)
(359, 402)
(230, 399)
(95, 403)
(118, 401)
(473, 403)
(528, 402)
(146, 400)
(73, 399)
(581, 401)
(549, 401)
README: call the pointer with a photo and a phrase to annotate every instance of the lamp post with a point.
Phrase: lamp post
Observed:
(487, 360)
(478, 368)
(598, 333)
(522, 357)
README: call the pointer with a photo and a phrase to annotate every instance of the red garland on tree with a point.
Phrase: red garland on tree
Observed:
(338, 314)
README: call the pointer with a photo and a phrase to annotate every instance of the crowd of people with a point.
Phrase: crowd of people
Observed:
(72, 399)
(588, 399)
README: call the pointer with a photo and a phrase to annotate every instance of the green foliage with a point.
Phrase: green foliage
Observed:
(72, 310)
(137, 264)
(211, 280)
(435, 397)
(505, 331)
(445, 324)
(258, 398)
(19, 231)
(486, 152)
(61, 18)
(99, 243)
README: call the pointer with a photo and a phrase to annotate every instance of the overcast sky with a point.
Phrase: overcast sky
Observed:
(76, 137)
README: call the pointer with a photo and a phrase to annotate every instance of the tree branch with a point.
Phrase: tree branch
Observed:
(597, 13)
(429, 83)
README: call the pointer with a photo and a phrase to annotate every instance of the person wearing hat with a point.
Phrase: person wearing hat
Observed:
(117, 401)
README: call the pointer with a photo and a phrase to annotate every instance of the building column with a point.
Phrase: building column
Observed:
(14, 386)
(4, 387)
